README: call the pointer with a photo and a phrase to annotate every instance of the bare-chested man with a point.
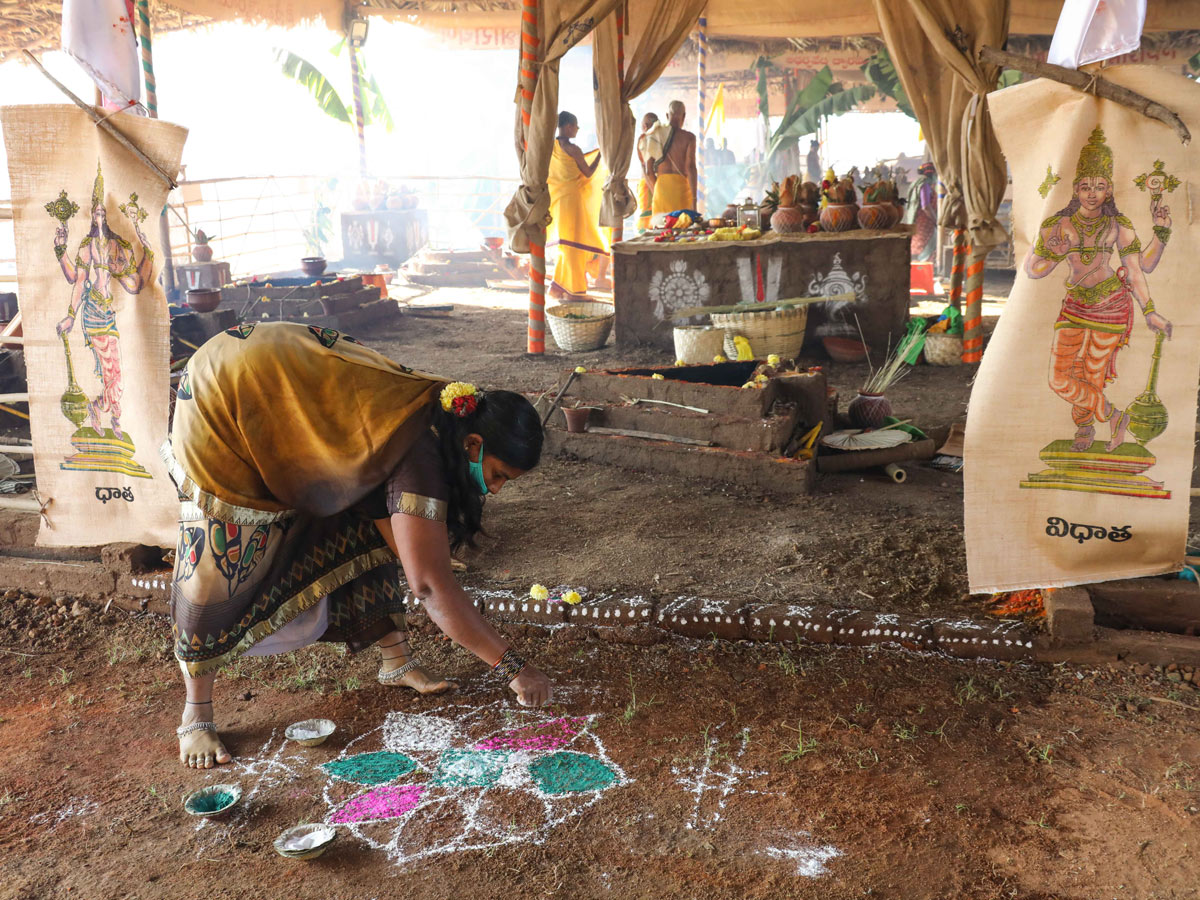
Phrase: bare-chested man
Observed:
(672, 176)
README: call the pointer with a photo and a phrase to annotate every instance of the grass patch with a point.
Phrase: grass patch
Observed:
(803, 746)
(634, 705)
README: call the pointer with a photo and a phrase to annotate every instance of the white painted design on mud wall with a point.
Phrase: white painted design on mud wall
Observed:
(747, 281)
(676, 289)
(839, 318)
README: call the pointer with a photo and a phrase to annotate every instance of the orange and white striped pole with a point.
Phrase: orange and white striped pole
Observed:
(530, 60)
(973, 312)
(956, 267)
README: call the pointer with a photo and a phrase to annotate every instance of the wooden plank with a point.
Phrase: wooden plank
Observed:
(853, 460)
(1150, 604)
(648, 435)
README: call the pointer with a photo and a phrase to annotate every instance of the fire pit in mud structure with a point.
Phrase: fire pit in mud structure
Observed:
(700, 421)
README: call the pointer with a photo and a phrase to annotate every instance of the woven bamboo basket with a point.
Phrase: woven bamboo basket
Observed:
(698, 344)
(588, 333)
(943, 349)
(774, 331)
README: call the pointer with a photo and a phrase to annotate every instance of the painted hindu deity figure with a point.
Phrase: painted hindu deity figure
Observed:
(102, 257)
(1101, 304)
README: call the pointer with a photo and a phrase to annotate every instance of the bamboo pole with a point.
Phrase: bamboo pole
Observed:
(164, 224)
(701, 68)
(1089, 83)
(956, 267)
(102, 122)
(531, 56)
(359, 123)
(973, 312)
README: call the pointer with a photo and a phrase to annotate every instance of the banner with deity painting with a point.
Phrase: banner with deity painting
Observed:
(97, 345)
(1080, 434)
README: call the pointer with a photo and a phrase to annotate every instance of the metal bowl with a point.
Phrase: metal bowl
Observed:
(305, 841)
(310, 732)
(214, 800)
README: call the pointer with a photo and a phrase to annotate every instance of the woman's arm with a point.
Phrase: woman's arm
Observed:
(588, 169)
(424, 551)
(1048, 251)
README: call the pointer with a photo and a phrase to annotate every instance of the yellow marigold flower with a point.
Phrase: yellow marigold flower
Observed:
(761, 378)
(657, 377)
(772, 359)
(680, 362)
(719, 358)
(453, 391)
(572, 597)
(539, 592)
(748, 384)
(580, 370)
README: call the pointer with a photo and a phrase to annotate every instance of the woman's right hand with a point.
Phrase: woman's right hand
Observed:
(531, 687)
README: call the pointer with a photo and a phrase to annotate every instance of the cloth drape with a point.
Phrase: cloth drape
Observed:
(655, 32)
(1071, 369)
(925, 37)
(85, 214)
(561, 24)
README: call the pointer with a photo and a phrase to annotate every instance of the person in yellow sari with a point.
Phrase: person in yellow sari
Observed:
(643, 151)
(576, 183)
(672, 172)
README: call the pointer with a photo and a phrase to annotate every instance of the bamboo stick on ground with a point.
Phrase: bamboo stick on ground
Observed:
(688, 311)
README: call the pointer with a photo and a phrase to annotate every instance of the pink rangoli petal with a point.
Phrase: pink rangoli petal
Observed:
(388, 801)
(552, 735)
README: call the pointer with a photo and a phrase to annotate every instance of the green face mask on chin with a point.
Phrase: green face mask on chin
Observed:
(477, 472)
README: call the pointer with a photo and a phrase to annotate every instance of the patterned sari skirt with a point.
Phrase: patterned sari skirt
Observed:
(235, 585)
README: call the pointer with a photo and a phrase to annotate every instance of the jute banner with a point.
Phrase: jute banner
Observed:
(1080, 434)
(97, 345)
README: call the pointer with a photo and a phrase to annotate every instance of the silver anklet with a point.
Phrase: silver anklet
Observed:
(195, 726)
(395, 674)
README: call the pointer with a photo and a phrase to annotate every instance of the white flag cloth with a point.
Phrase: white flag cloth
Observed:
(101, 36)
(1091, 30)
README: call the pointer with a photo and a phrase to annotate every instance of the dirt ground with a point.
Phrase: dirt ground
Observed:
(737, 771)
(744, 771)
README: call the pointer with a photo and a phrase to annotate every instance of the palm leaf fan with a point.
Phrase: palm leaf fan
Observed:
(866, 440)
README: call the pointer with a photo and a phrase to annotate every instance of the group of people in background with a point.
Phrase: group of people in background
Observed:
(667, 154)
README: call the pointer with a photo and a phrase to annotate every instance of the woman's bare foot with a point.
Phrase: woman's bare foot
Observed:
(397, 655)
(1084, 436)
(201, 748)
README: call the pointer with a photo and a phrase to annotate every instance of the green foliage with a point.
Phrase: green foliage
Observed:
(1008, 78)
(306, 74)
(882, 73)
(839, 101)
(300, 70)
(320, 227)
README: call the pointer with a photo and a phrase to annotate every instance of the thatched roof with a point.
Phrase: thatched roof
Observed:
(35, 25)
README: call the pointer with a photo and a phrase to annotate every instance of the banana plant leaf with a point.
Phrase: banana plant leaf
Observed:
(305, 73)
(838, 102)
(801, 102)
(881, 72)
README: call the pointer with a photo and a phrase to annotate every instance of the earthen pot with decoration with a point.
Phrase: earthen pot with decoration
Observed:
(876, 216)
(839, 217)
(788, 220)
(869, 410)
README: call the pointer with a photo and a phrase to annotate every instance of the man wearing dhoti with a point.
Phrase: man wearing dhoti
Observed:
(672, 170)
(649, 121)
(575, 194)
(1099, 308)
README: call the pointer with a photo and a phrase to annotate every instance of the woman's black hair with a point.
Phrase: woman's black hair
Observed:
(512, 432)
(565, 118)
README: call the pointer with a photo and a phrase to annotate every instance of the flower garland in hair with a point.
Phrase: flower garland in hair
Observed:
(459, 398)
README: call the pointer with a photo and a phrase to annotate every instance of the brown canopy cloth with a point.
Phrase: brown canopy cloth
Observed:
(549, 28)
(925, 38)
(655, 32)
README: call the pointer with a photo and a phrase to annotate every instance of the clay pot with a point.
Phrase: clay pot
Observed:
(839, 217)
(312, 266)
(577, 419)
(876, 216)
(808, 214)
(203, 300)
(730, 214)
(897, 213)
(395, 201)
(869, 410)
(787, 219)
(844, 350)
(202, 253)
